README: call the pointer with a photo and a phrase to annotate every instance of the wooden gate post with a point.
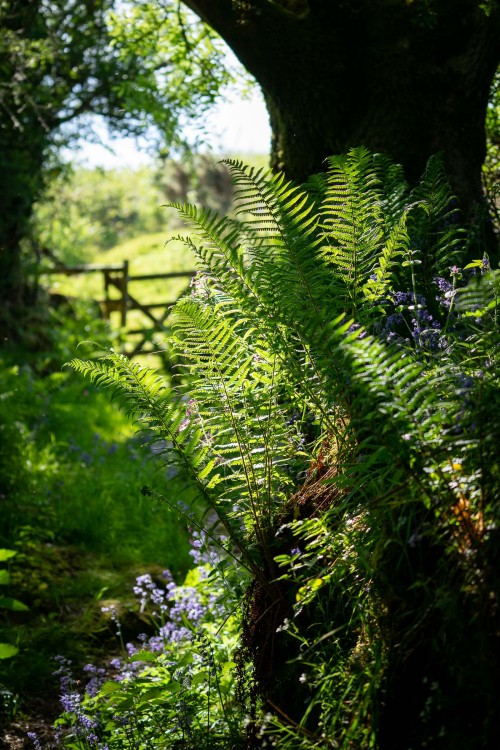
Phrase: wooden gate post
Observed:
(124, 290)
(107, 306)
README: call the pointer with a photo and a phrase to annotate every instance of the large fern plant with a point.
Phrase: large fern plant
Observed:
(335, 395)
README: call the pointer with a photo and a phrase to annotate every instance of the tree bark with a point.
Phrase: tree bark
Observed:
(406, 79)
(21, 183)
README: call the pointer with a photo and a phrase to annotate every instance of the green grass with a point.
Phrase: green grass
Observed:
(71, 473)
(77, 468)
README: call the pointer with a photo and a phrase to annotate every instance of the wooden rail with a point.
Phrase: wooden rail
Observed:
(117, 276)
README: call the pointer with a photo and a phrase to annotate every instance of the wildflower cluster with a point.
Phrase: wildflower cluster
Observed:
(410, 321)
(179, 610)
(81, 727)
(156, 673)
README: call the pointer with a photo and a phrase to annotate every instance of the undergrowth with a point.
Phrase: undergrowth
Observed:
(71, 471)
(335, 412)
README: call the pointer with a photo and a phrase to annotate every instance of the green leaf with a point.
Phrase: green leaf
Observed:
(6, 554)
(110, 687)
(173, 687)
(200, 678)
(7, 651)
(6, 602)
(4, 578)
(151, 694)
(144, 656)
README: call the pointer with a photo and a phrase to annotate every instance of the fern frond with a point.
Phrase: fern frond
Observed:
(395, 247)
(481, 296)
(161, 415)
(352, 223)
(394, 188)
(316, 186)
(437, 236)
(233, 383)
(217, 243)
(284, 263)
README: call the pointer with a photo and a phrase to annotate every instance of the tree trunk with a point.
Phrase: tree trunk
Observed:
(406, 79)
(21, 181)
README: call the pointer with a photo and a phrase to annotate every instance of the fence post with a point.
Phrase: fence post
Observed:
(124, 293)
(107, 310)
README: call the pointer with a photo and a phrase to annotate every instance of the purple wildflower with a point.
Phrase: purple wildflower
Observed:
(442, 284)
(114, 618)
(403, 298)
(70, 702)
(86, 722)
(35, 740)
(98, 675)
(64, 674)
(205, 550)
(446, 291)
(357, 327)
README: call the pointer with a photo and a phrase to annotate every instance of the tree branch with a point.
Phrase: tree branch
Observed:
(237, 21)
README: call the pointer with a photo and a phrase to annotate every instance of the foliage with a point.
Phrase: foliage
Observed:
(137, 65)
(335, 408)
(85, 212)
(92, 211)
(83, 475)
(181, 678)
(8, 650)
(491, 167)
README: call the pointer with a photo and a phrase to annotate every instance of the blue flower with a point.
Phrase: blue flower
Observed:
(35, 740)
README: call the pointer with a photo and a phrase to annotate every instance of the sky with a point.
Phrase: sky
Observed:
(238, 126)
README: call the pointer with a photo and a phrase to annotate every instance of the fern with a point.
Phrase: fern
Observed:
(437, 236)
(352, 223)
(236, 406)
(303, 416)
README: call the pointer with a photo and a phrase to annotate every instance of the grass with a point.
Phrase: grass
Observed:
(71, 472)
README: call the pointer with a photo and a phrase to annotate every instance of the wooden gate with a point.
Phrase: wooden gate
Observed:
(117, 277)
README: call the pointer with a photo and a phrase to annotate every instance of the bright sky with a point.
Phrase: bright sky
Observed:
(237, 126)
